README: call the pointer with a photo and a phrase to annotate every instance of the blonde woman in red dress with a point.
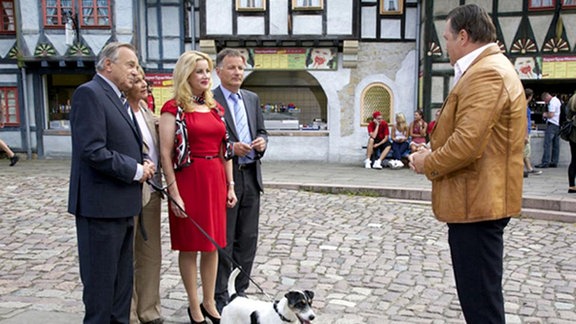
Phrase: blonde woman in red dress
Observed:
(204, 188)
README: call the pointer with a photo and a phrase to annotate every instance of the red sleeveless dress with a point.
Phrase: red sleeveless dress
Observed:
(202, 184)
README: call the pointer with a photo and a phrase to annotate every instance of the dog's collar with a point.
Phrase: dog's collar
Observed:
(282, 317)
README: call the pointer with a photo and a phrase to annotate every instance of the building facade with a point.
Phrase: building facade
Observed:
(321, 67)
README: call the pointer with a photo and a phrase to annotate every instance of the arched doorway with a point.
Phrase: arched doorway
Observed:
(289, 99)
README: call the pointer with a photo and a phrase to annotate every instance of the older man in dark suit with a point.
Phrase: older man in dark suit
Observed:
(245, 125)
(105, 193)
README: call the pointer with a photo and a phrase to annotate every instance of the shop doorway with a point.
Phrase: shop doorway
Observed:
(291, 100)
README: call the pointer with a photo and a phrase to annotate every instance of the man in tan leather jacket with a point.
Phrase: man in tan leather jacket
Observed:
(476, 161)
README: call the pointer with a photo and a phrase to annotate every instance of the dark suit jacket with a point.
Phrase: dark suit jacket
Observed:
(106, 148)
(255, 122)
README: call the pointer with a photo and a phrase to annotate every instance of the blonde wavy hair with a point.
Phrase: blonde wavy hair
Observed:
(401, 124)
(184, 67)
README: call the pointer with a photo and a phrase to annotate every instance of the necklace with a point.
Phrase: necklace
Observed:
(198, 99)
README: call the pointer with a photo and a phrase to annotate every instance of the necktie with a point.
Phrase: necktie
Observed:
(242, 126)
(130, 112)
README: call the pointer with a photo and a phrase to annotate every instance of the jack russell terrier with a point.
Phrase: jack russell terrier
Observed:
(294, 307)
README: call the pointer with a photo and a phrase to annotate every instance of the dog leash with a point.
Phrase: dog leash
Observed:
(164, 192)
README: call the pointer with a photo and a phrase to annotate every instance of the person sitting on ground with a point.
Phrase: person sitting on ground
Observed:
(399, 137)
(432, 123)
(13, 157)
(378, 141)
(418, 131)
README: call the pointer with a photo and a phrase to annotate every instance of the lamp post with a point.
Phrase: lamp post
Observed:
(72, 29)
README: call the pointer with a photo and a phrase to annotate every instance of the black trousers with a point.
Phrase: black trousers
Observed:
(106, 270)
(241, 233)
(477, 252)
(572, 166)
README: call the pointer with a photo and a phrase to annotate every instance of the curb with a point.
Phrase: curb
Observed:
(549, 209)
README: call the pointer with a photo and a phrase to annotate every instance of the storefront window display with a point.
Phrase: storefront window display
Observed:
(60, 90)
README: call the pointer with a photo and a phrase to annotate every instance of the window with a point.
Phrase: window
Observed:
(9, 97)
(307, 5)
(376, 97)
(391, 7)
(250, 5)
(541, 4)
(7, 17)
(54, 12)
(90, 13)
(95, 13)
(569, 3)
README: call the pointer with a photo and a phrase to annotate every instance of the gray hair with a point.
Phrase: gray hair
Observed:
(110, 52)
(228, 52)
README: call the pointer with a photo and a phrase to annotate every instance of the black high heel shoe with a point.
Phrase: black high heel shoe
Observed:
(213, 319)
(193, 321)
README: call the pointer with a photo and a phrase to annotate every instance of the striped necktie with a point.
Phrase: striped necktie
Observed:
(242, 127)
(130, 112)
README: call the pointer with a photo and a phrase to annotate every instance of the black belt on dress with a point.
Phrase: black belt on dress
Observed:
(206, 157)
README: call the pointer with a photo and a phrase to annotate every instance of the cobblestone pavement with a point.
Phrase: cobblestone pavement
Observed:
(368, 259)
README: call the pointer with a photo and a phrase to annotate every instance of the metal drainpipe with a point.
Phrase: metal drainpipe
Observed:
(418, 49)
(27, 116)
(24, 85)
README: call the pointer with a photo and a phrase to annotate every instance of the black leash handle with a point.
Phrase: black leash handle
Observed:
(164, 192)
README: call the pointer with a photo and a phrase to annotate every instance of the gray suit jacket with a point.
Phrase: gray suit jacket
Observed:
(255, 122)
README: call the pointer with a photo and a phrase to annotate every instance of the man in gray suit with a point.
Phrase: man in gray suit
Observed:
(245, 125)
(107, 171)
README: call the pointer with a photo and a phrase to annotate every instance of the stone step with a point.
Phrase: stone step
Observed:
(548, 208)
(549, 215)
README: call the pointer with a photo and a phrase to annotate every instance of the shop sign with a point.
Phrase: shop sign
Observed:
(295, 58)
(559, 67)
(162, 91)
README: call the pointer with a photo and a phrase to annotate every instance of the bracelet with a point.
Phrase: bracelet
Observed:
(231, 184)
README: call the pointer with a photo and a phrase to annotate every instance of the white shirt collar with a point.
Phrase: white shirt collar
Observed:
(114, 87)
(465, 61)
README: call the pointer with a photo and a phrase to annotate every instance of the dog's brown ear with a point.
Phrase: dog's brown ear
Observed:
(309, 294)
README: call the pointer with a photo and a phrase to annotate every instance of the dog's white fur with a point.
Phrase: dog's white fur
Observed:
(240, 309)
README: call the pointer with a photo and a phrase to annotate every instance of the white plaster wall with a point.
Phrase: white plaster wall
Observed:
(6, 46)
(297, 148)
(12, 138)
(411, 24)
(250, 25)
(307, 25)
(333, 83)
(152, 25)
(218, 12)
(171, 26)
(339, 17)
(390, 28)
(279, 17)
(8, 78)
(368, 22)
(510, 5)
(57, 146)
(96, 42)
(29, 17)
(125, 24)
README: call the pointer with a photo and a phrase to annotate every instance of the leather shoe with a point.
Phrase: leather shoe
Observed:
(14, 160)
(553, 165)
(542, 166)
(525, 174)
(571, 190)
